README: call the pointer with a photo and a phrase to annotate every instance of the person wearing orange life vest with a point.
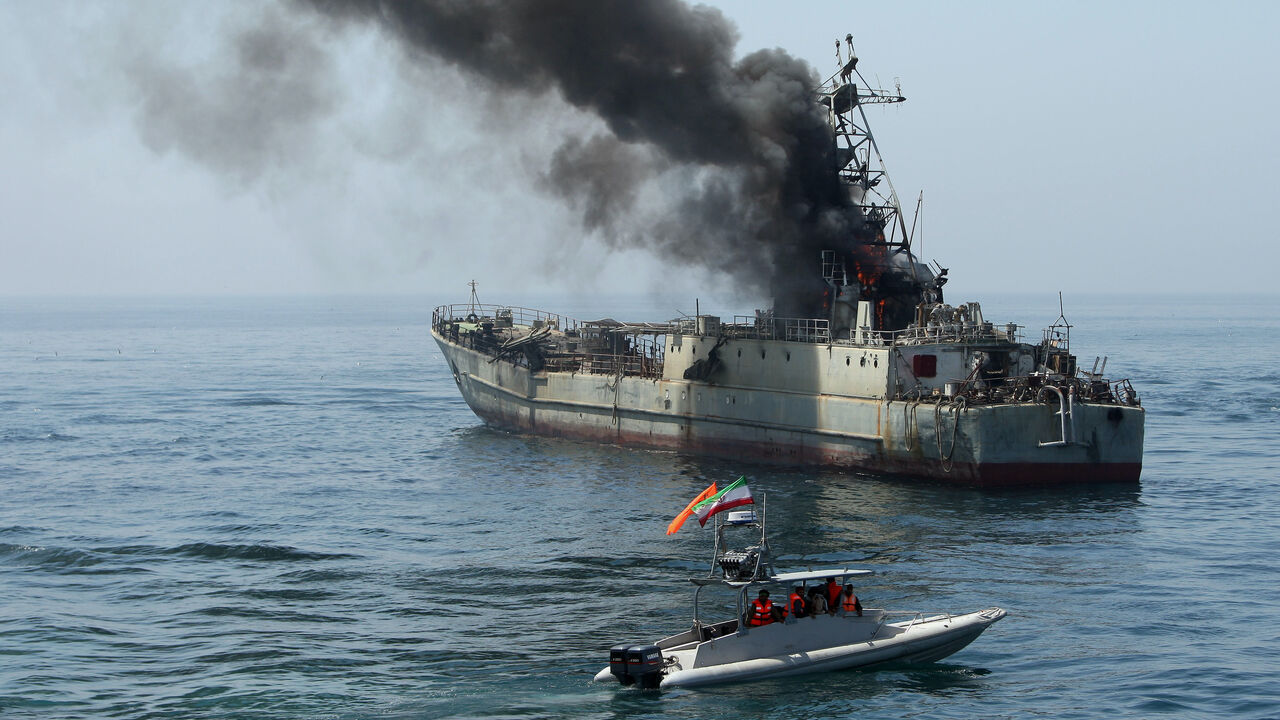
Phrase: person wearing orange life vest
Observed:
(796, 604)
(849, 602)
(833, 595)
(761, 611)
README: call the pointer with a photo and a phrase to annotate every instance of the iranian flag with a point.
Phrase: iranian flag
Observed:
(734, 495)
(676, 524)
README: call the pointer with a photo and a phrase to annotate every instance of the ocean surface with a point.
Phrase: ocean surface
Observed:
(282, 508)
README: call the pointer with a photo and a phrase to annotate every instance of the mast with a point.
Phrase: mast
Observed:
(861, 166)
(884, 273)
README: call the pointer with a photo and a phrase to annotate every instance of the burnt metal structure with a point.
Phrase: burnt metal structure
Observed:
(883, 376)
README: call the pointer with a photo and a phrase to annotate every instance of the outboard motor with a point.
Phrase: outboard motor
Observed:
(644, 665)
(618, 663)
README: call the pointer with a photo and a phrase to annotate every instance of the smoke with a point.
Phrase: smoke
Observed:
(746, 145)
(259, 104)
(726, 164)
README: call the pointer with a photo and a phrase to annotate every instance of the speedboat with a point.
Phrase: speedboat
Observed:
(734, 650)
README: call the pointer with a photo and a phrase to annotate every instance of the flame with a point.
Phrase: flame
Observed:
(869, 267)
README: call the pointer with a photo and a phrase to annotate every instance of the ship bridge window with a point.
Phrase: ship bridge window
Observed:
(924, 366)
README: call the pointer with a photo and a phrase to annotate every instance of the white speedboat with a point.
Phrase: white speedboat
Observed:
(733, 650)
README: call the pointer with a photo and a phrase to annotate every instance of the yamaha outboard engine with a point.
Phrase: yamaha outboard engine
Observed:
(644, 663)
(636, 664)
(618, 663)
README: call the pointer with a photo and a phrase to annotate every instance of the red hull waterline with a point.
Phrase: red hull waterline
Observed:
(985, 475)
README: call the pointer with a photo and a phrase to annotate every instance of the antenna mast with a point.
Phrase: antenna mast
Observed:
(861, 166)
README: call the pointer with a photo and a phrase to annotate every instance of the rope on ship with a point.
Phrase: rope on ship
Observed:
(911, 421)
(617, 389)
(956, 405)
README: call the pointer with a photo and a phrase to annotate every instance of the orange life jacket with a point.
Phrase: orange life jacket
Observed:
(761, 613)
(833, 594)
(797, 605)
(849, 603)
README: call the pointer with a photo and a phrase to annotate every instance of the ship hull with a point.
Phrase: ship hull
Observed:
(986, 445)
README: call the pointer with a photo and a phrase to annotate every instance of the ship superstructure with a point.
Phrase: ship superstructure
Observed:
(874, 372)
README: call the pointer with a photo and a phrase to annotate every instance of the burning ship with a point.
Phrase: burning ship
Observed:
(860, 364)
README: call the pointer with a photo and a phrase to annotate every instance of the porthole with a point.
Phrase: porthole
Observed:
(761, 354)
(846, 359)
(739, 352)
(788, 357)
(875, 361)
(863, 361)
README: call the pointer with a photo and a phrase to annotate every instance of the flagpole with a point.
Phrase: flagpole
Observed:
(764, 537)
(715, 546)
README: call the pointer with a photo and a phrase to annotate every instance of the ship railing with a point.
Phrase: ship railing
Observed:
(810, 330)
(1018, 389)
(609, 365)
(501, 316)
(948, 333)
(626, 365)
(818, 331)
(916, 616)
(1124, 393)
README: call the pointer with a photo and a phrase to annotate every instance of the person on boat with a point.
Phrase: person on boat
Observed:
(833, 595)
(849, 602)
(796, 604)
(817, 601)
(762, 611)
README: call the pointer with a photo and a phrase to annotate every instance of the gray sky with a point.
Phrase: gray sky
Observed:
(1083, 147)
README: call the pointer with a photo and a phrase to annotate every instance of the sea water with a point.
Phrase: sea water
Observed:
(282, 508)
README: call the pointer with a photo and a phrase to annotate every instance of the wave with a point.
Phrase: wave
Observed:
(112, 419)
(287, 594)
(258, 401)
(41, 556)
(18, 436)
(268, 614)
(77, 558)
(218, 551)
(19, 529)
(321, 576)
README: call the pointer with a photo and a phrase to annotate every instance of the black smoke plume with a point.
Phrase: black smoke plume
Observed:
(758, 195)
